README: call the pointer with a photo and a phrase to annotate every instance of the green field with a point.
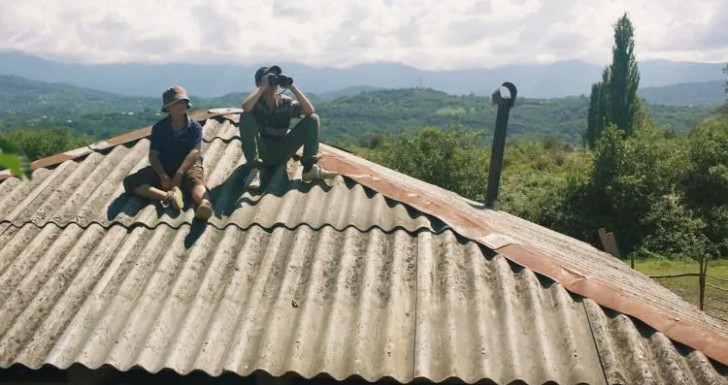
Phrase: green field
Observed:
(716, 302)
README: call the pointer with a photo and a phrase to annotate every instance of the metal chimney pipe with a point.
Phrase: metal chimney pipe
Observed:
(499, 141)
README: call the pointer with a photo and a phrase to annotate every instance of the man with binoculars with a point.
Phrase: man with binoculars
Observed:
(267, 138)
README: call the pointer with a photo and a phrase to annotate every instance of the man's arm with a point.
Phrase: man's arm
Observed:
(157, 166)
(186, 164)
(252, 98)
(306, 105)
(191, 156)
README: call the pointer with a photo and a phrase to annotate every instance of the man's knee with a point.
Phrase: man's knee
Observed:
(312, 122)
(145, 176)
(129, 184)
(133, 181)
(314, 117)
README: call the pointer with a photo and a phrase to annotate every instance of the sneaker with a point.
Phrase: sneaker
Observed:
(174, 196)
(253, 179)
(204, 211)
(317, 173)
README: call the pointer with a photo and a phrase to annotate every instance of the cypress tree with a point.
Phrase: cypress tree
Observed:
(598, 116)
(624, 78)
(593, 118)
(725, 85)
(614, 100)
(724, 108)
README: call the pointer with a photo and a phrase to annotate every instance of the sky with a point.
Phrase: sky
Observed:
(425, 34)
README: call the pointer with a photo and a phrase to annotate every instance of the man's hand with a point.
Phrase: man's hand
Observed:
(177, 180)
(264, 82)
(167, 183)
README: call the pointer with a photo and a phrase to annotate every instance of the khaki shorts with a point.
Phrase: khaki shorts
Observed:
(193, 177)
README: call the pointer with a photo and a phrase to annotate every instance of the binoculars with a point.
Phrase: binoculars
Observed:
(282, 80)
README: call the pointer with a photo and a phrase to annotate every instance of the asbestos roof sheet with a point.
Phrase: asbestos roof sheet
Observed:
(341, 302)
(362, 277)
(91, 191)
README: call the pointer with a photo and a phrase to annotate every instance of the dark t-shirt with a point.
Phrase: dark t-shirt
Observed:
(276, 122)
(173, 146)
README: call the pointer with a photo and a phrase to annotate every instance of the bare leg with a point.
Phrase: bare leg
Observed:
(199, 192)
(149, 192)
(201, 196)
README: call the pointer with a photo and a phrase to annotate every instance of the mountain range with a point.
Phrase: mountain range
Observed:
(560, 79)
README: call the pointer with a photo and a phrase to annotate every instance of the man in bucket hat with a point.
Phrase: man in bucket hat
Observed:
(175, 159)
(267, 138)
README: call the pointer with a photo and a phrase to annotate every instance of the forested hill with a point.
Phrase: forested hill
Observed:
(22, 96)
(32, 104)
(348, 120)
(354, 118)
(357, 119)
(697, 94)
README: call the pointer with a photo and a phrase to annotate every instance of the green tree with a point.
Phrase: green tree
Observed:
(450, 159)
(705, 179)
(724, 108)
(12, 158)
(628, 175)
(624, 77)
(598, 114)
(675, 230)
(614, 100)
(534, 178)
(40, 143)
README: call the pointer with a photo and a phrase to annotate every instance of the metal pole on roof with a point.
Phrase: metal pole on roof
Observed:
(504, 103)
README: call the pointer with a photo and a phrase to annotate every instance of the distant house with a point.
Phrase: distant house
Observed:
(374, 277)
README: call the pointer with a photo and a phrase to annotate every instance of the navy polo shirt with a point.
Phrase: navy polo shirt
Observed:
(173, 146)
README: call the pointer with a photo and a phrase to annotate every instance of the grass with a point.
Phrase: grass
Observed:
(716, 301)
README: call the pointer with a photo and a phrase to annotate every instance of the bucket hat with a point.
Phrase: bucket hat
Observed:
(173, 95)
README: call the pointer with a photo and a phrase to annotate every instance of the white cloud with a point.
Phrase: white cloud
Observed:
(428, 34)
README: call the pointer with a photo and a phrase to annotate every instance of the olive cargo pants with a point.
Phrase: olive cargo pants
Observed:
(271, 151)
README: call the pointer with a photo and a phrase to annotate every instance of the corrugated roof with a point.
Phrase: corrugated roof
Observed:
(91, 192)
(311, 279)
